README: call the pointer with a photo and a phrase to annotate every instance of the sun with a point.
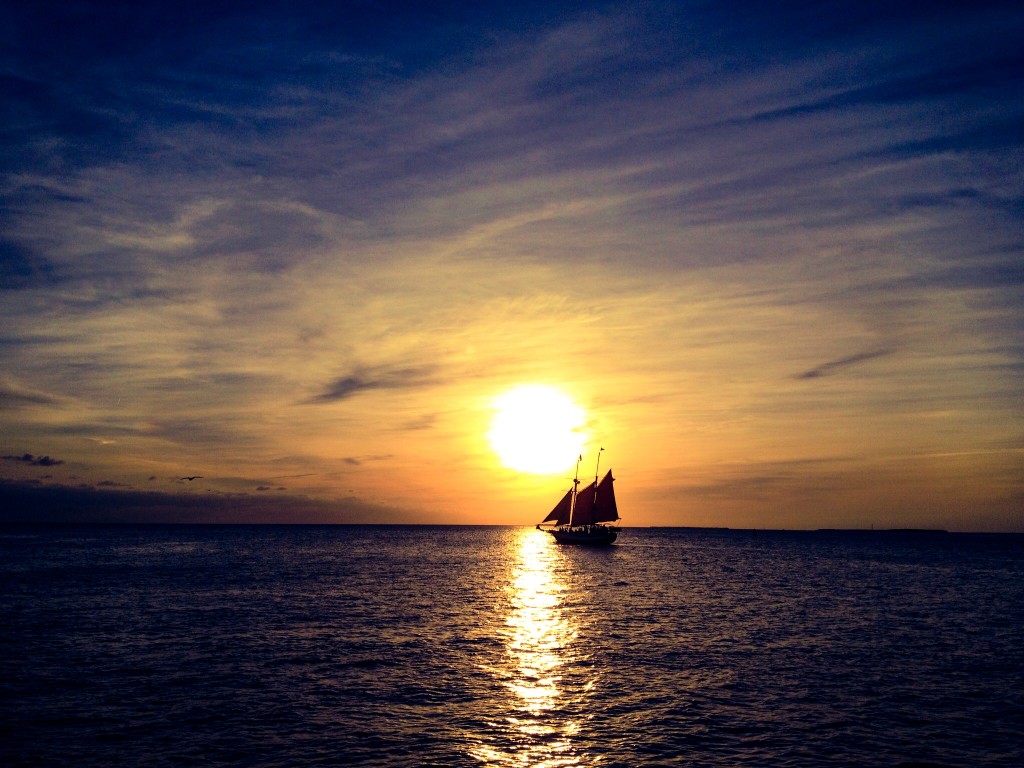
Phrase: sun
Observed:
(537, 429)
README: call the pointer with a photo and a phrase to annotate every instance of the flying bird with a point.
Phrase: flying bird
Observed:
(190, 478)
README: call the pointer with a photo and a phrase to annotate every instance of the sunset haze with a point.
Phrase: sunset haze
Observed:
(297, 251)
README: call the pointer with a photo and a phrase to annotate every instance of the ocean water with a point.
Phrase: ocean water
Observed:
(480, 646)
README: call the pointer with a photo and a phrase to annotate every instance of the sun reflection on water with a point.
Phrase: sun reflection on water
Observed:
(538, 637)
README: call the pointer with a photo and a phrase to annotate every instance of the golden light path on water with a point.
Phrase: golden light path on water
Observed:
(538, 637)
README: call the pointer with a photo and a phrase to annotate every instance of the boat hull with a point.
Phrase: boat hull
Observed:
(593, 535)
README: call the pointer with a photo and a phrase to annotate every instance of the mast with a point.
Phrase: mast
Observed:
(575, 485)
(597, 471)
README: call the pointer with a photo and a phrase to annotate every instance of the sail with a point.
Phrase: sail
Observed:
(605, 510)
(560, 514)
(583, 512)
(594, 504)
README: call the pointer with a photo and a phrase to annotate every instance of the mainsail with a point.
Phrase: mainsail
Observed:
(584, 500)
(596, 505)
(605, 509)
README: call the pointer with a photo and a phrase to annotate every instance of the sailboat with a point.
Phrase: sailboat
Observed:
(581, 515)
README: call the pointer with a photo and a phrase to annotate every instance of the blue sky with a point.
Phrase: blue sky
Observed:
(774, 253)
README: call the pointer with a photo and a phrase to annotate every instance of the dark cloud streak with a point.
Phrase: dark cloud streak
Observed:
(831, 367)
(35, 461)
(367, 380)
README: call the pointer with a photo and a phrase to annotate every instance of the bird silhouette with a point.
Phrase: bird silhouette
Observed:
(190, 478)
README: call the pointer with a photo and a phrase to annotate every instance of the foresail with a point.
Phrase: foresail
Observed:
(560, 514)
(605, 509)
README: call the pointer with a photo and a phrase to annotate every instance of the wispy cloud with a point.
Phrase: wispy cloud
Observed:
(15, 395)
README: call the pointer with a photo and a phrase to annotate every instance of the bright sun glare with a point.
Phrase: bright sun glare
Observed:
(536, 429)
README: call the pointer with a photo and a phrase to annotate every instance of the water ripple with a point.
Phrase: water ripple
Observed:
(494, 647)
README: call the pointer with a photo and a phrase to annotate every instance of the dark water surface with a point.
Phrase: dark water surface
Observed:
(476, 646)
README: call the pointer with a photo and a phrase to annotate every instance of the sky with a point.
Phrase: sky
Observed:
(774, 252)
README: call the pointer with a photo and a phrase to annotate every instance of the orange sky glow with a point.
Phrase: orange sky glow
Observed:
(783, 287)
